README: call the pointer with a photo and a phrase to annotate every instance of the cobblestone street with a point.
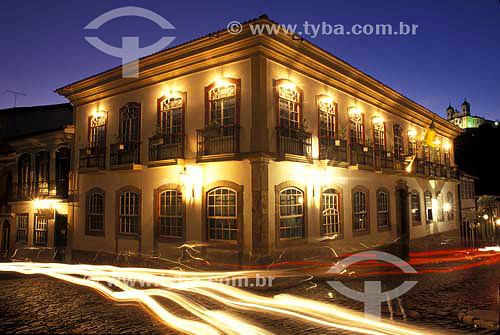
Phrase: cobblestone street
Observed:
(37, 304)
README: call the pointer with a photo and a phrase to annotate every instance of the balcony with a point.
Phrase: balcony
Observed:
(361, 155)
(399, 162)
(223, 141)
(55, 189)
(294, 141)
(93, 158)
(419, 166)
(125, 153)
(333, 149)
(384, 160)
(166, 147)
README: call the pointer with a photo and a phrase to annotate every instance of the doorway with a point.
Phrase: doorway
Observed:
(403, 222)
(5, 236)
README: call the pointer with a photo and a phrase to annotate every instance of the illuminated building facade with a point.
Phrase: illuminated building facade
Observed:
(464, 119)
(253, 144)
(35, 169)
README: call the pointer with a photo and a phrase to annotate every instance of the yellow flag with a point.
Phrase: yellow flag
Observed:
(429, 136)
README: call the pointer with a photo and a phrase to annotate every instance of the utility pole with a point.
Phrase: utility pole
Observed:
(15, 94)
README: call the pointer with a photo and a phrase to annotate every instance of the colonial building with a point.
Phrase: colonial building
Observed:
(253, 144)
(464, 119)
(34, 176)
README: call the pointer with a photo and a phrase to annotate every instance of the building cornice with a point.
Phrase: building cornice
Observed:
(298, 54)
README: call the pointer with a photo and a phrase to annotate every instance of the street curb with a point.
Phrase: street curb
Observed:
(469, 319)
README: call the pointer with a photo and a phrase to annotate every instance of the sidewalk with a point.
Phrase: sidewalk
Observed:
(485, 319)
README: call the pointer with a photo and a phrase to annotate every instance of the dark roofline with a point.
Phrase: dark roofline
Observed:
(65, 105)
(35, 133)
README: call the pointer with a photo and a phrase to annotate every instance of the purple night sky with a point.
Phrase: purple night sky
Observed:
(455, 53)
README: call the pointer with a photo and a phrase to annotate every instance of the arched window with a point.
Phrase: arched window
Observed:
(95, 212)
(415, 208)
(356, 126)
(428, 207)
(291, 213)
(222, 214)
(130, 116)
(129, 212)
(222, 101)
(359, 210)
(440, 209)
(451, 204)
(171, 214)
(97, 131)
(289, 105)
(398, 141)
(330, 212)
(327, 110)
(379, 134)
(42, 160)
(171, 115)
(412, 142)
(383, 212)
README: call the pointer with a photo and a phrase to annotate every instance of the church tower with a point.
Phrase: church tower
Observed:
(465, 108)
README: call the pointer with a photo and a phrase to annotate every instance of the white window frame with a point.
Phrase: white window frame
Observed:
(95, 212)
(222, 214)
(289, 107)
(40, 233)
(129, 212)
(383, 209)
(170, 214)
(291, 208)
(360, 211)
(222, 104)
(22, 222)
(330, 212)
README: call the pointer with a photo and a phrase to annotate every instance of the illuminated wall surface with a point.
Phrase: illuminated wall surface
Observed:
(254, 164)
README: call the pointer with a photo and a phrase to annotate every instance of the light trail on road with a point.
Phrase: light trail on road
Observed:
(189, 289)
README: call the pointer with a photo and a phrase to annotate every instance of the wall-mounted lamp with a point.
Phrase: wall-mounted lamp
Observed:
(378, 120)
(447, 207)
(486, 217)
(97, 114)
(185, 181)
(288, 85)
(447, 146)
(437, 142)
(42, 204)
(412, 133)
(354, 111)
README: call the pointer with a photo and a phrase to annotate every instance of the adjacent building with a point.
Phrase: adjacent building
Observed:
(35, 166)
(254, 144)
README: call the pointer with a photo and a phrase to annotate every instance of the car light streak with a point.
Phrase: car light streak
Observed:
(189, 289)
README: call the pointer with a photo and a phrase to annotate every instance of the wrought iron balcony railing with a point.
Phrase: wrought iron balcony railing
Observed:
(294, 141)
(333, 149)
(218, 140)
(361, 155)
(41, 189)
(93, 157)
(125, 153)
(384, 159)
(165, 147)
